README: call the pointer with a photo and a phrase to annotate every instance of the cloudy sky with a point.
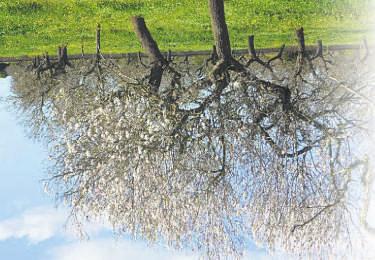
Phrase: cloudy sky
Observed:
(32, 228)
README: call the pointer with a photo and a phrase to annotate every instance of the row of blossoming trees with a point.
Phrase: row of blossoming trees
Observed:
(206, 157)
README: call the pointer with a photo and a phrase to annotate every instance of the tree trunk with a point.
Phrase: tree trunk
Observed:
(301, 51)
(301, 41)
(220, 30)
(150, 46)
(98, 29)
(251, 47)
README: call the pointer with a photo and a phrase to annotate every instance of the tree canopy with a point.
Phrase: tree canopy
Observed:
(206, 156)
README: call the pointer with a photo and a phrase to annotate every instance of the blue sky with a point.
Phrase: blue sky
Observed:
(31, 227)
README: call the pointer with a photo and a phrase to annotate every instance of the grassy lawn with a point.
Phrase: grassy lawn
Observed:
(32, 27)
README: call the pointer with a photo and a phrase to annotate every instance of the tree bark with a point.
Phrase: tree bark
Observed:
(220, 30)
(251, 47)
(98, 29)
(301, 41)
(301, 51)
(150, 46)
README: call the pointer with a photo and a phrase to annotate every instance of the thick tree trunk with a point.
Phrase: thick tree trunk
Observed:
(220, 30)
(150, 46)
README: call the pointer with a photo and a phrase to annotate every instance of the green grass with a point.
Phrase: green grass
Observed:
(29, 27)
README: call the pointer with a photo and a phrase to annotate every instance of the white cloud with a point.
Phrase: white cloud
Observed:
(110, 249)
(36, 225)
(42, 223)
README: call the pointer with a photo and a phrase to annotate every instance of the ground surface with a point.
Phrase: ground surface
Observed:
(33, 27)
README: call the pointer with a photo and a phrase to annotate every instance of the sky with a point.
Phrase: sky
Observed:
(32, 227)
